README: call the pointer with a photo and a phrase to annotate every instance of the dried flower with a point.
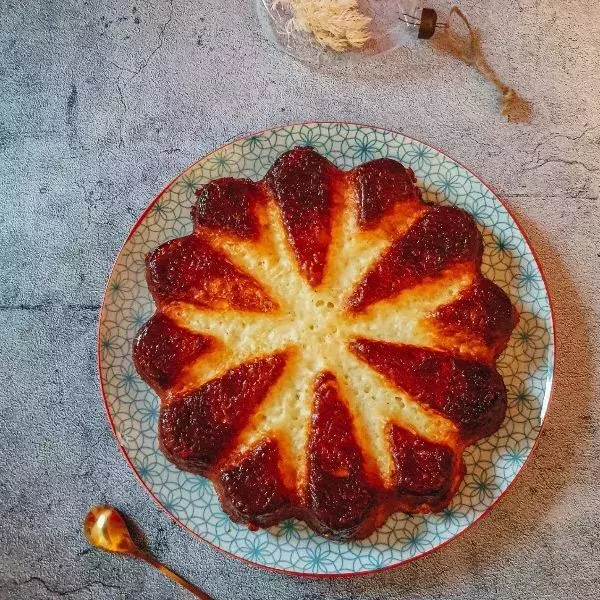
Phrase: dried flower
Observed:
(337, 24)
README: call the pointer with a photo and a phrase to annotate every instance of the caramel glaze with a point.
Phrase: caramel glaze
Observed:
(339, 494)
(228, 204)
(252, 490)
(302, 182)
(468, 392)
(380, 185)
(442, 237)
(188, 269)
(425, 473)
(162, 350)
(483, 310)
(196, 428)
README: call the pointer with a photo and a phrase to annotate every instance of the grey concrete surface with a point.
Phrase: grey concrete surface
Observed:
(103, 102)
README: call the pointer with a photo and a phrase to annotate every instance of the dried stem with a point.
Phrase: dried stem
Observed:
(468, 48)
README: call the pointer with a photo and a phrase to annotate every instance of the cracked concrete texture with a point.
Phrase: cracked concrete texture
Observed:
(103, 102)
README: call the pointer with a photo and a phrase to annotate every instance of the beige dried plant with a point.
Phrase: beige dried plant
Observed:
(336, 24)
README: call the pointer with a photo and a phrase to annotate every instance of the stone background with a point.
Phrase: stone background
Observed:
(103, 102)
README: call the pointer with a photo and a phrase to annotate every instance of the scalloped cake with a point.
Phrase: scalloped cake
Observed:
(324, 345)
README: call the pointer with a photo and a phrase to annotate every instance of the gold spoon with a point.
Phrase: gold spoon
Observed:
(105, 528)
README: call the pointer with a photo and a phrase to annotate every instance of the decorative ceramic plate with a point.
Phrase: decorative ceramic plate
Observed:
(492, 464)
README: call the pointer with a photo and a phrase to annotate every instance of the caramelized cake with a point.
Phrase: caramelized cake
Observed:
(324, 345)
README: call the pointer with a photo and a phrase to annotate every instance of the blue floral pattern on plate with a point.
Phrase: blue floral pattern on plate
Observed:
(492, 464)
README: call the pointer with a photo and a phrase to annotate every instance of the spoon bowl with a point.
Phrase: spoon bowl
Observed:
(105, 528)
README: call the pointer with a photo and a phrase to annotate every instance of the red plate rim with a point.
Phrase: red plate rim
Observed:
(301, 573)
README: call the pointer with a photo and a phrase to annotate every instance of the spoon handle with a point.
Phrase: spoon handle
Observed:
(172, 575)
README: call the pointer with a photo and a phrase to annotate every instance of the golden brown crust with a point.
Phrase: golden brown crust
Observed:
(324, 346)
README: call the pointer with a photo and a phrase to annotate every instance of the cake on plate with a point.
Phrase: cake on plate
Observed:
(324, 345)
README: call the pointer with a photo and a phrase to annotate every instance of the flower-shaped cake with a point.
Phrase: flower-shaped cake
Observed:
(324, 345)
